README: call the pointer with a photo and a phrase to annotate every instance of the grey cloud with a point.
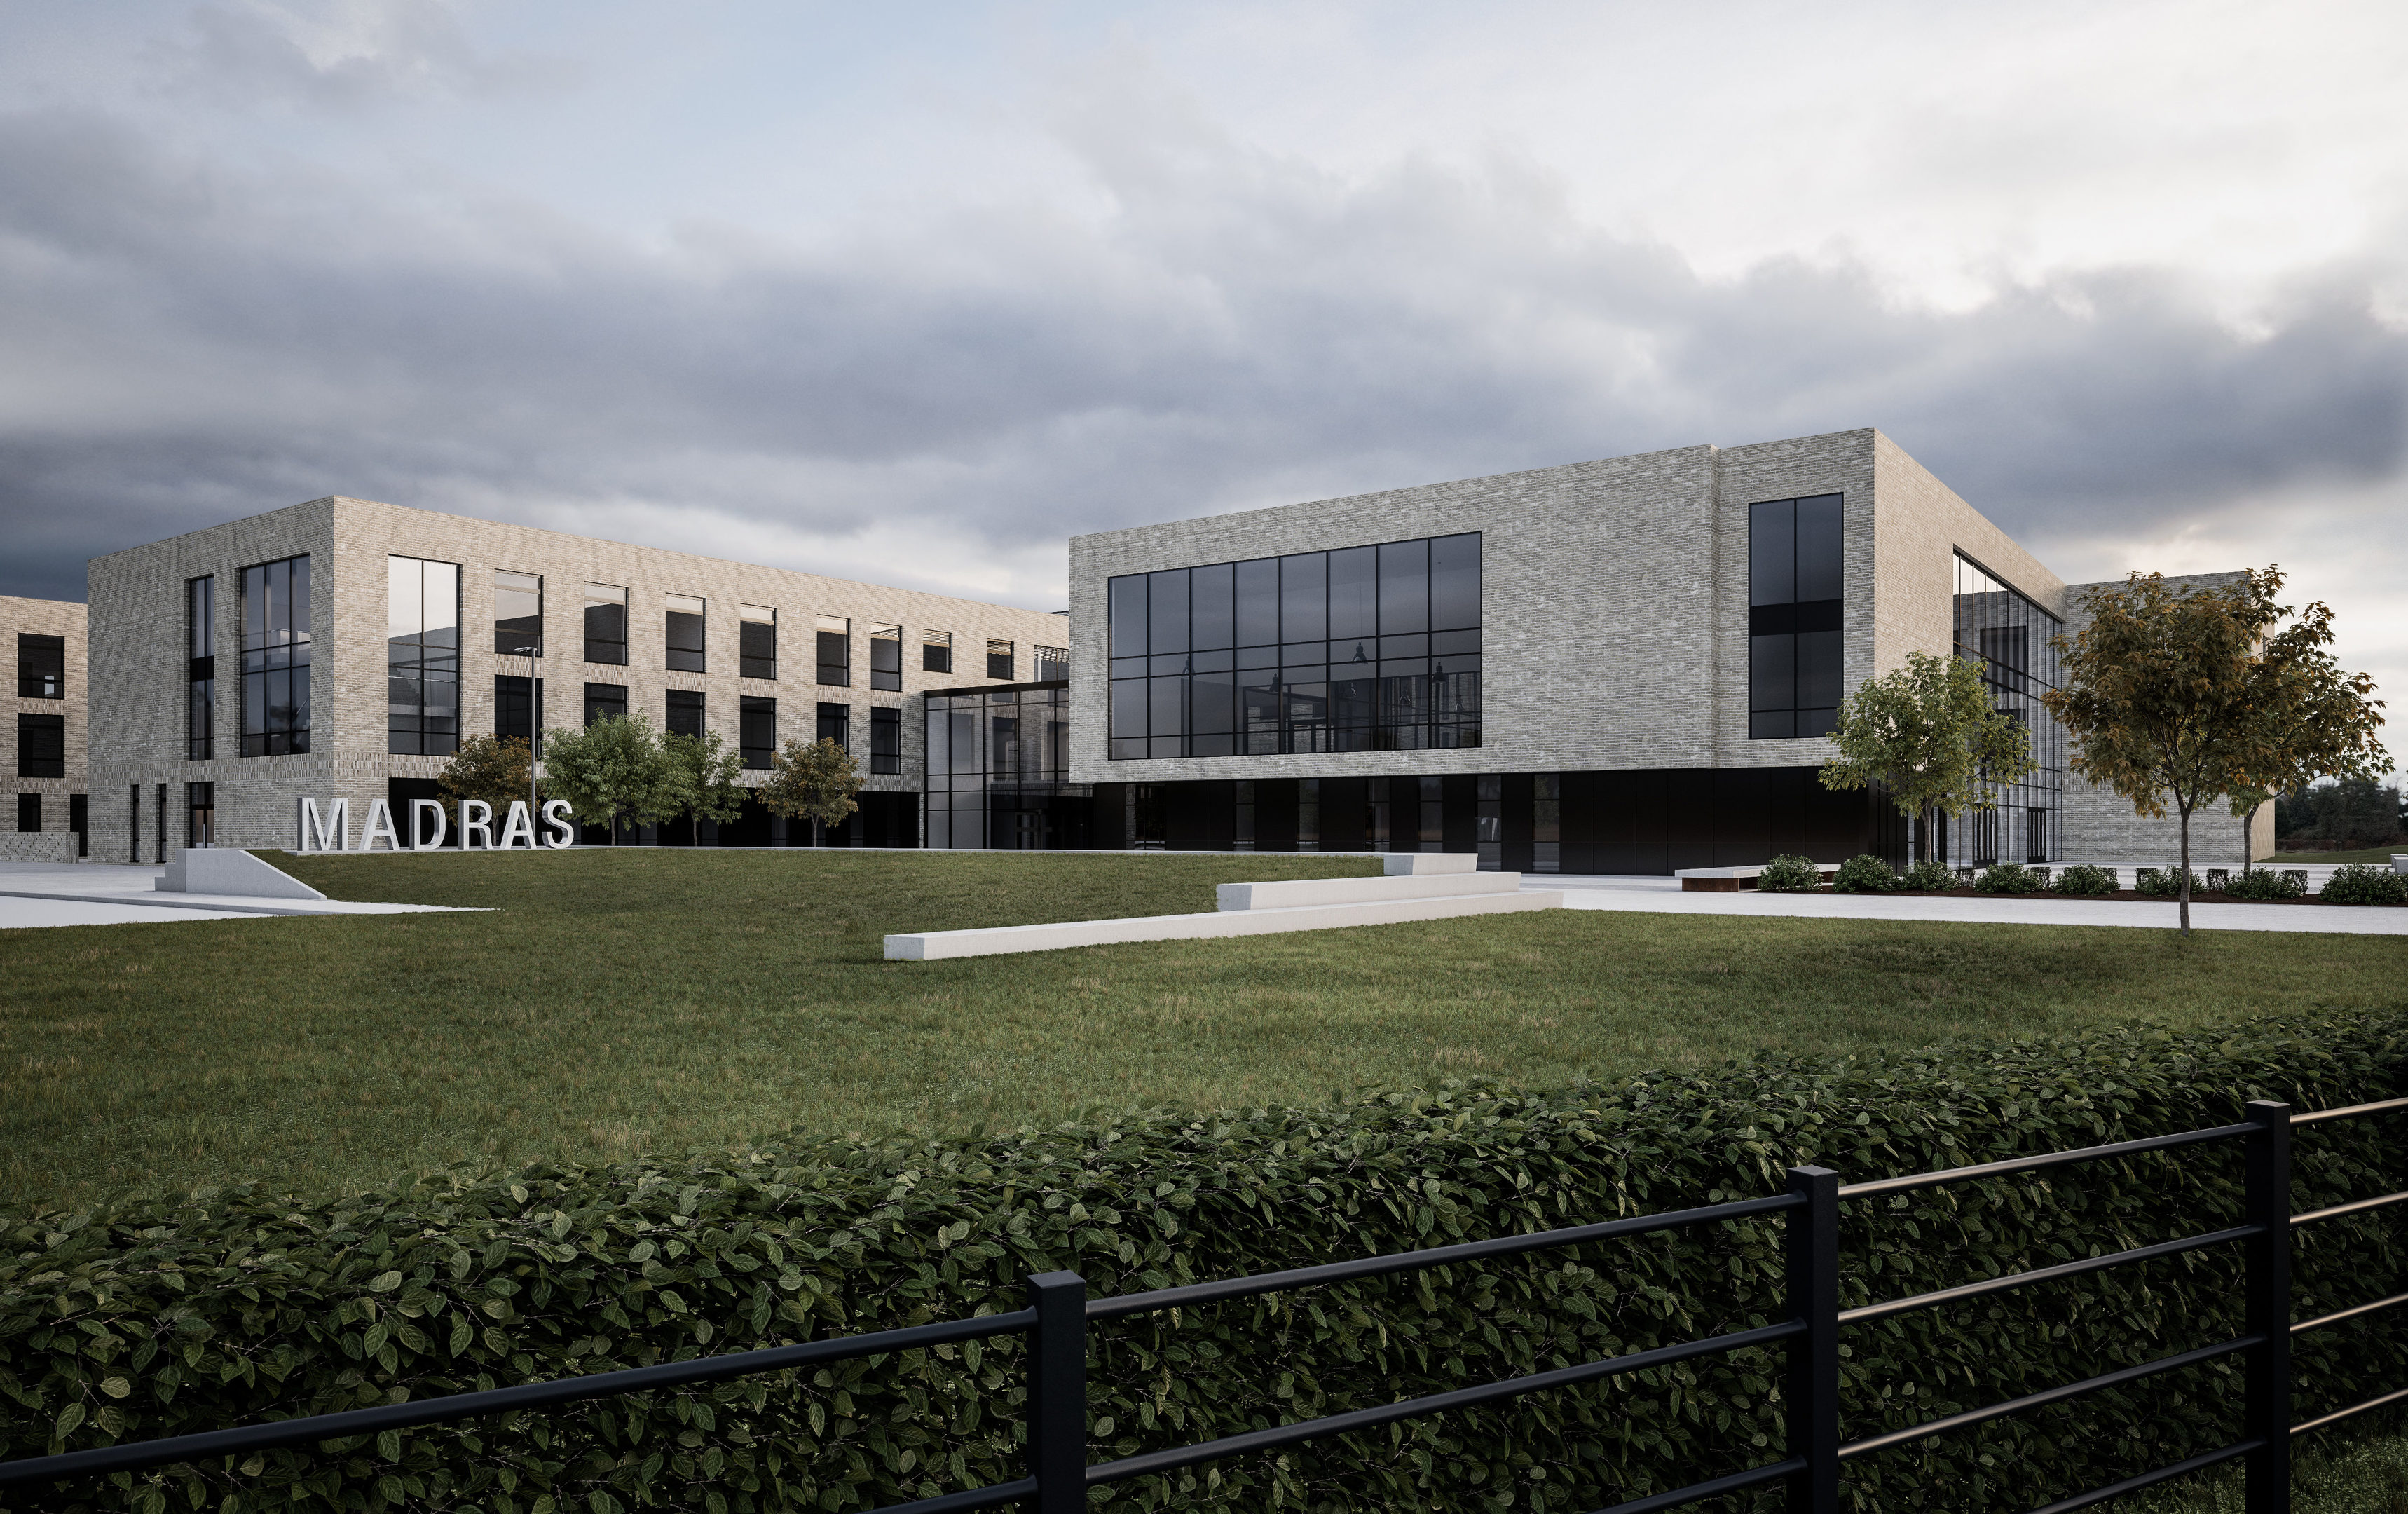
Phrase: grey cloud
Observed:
(244, 55)
(1239, 330)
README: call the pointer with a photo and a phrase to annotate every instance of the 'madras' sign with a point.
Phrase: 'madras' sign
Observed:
(327, 828)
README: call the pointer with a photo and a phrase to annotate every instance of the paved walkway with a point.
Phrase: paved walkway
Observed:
(1663, 896)
(101, 893)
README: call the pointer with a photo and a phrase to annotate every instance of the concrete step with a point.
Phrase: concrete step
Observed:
(1294, 893)
(1421, 864)
(934, 946)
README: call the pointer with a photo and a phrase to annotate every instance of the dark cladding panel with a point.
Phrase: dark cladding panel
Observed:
(1345, 810)
(1275, 814)
(1199, 816)
(1462, 813)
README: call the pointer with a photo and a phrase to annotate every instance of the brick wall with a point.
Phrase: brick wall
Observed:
(43, 618)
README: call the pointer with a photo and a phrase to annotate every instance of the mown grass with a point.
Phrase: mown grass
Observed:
(2340, 1475)
(658, 998)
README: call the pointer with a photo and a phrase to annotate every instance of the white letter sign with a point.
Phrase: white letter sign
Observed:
(418, 810)
(520, 824)
(380, 823)
(475, 825)
(329, 830)
(555, 815)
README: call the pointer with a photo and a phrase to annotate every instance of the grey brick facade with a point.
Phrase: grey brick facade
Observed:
(140, 678)
(51, 841)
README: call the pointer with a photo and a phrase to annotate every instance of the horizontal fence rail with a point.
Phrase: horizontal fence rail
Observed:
(1059, 1315)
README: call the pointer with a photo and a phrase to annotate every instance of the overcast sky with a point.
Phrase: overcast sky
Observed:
(912, 292)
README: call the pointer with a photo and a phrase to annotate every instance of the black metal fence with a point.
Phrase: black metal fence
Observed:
(1059, 1313)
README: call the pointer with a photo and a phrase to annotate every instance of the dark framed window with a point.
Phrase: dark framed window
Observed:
(935, 652)
(517, 612)
(29, 813)
(836, 651)
(41, 745)
(41, 667)
(606, 624)
(2013, 641)
(604, 701)
(518, 710)
(1052, 664)
(756, 633)
(887, 657)
(836, 725)
(686, 621)
(684, 714)
(1795, 590)
(422, 657)
(757, 733)
(998, 662)
(275, 658)
(200, 814)
(1361, 649)
(886, 739)
(200, 669)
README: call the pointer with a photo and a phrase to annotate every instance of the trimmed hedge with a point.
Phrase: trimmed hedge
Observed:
(1928, 877)
(1864, 873)
(2361, 882)
(157, 1319)
(1790, 875)
(2083, 881)
(2008, 878)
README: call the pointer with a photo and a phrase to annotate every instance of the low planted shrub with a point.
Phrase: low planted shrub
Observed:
(2083, 881)
(2263, 884)
(2008, 878)
(1928, 877)
(1790, 875)
(2165, 883)
(2363, 883)
(156, 1318)
(1864, 873)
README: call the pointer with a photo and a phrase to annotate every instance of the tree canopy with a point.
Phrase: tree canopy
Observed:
(815, 781)
(707, 770)
(613, 771)
(492, 769)
(1931, 735)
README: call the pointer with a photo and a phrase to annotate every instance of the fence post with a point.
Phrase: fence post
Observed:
(2268, 1410)
(1813, 1385)
(1057, 1392)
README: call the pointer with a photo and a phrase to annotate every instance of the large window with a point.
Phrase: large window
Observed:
(997, 765)
(606, 624)
(1052, 664)
(200, 669)
(685, 628)
(684, 712)
(422, 657)
(604, 701)
(1795, 589)
(518, 710)
(836, 725)
(276, 658)
(1365, 649)
(41, 667)
(836, 651)
(756, 734)
(41, 747)
(200, 814)
(2014, 641)
(757, 650)
(518, 613)
(935, 652)
(886, 739)
(887, 657)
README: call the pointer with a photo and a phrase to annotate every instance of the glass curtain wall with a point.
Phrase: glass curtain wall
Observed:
(1364, 649)
(275, 658)
(200, 669)
(997, 765)
(2014, 641)
(422, 657)
(1794, 594)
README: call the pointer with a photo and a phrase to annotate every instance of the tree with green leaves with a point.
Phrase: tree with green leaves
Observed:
(613, 772)
(494, 768)
(2187, 696)
(707, 770)
(1931, 736)
(815, 781)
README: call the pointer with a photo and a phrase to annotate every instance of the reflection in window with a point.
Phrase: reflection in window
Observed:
(836, 725)
(757, 738)
(200, 669)
(684, 712)
(1794, 576)
(606, 624)
(518, 710)
(886, 739)
(997, 763)
(41, 667)
(275, 656)
(422, 657)
(1363, 649)
(1052, 664)
(686, 624)
(998, 662)
(836, 651)
(200, 814)
(604, 701)
(758, 648)
(887, 657)
(2013, 643)
(935, 652)
(518, 613)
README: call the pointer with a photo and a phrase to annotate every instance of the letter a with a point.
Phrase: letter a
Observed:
(520, 825)
(380, 823)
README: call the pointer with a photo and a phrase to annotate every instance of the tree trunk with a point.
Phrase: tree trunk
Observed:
(2181, 884)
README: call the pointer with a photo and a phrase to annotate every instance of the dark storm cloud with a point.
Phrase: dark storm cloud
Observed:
(188, 343)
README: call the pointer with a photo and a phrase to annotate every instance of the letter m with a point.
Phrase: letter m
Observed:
(327, 830)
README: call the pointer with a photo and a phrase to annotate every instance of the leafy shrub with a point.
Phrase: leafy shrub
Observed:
(2008, 878)
(2083, 881)
(2165, 883)
(158, 1317)
(2263, 884)
(1864, 875)
(2363, 883)
(1928, 877)
(1790, 875)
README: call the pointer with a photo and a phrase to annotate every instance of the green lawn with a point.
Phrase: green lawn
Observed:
(663, 998)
